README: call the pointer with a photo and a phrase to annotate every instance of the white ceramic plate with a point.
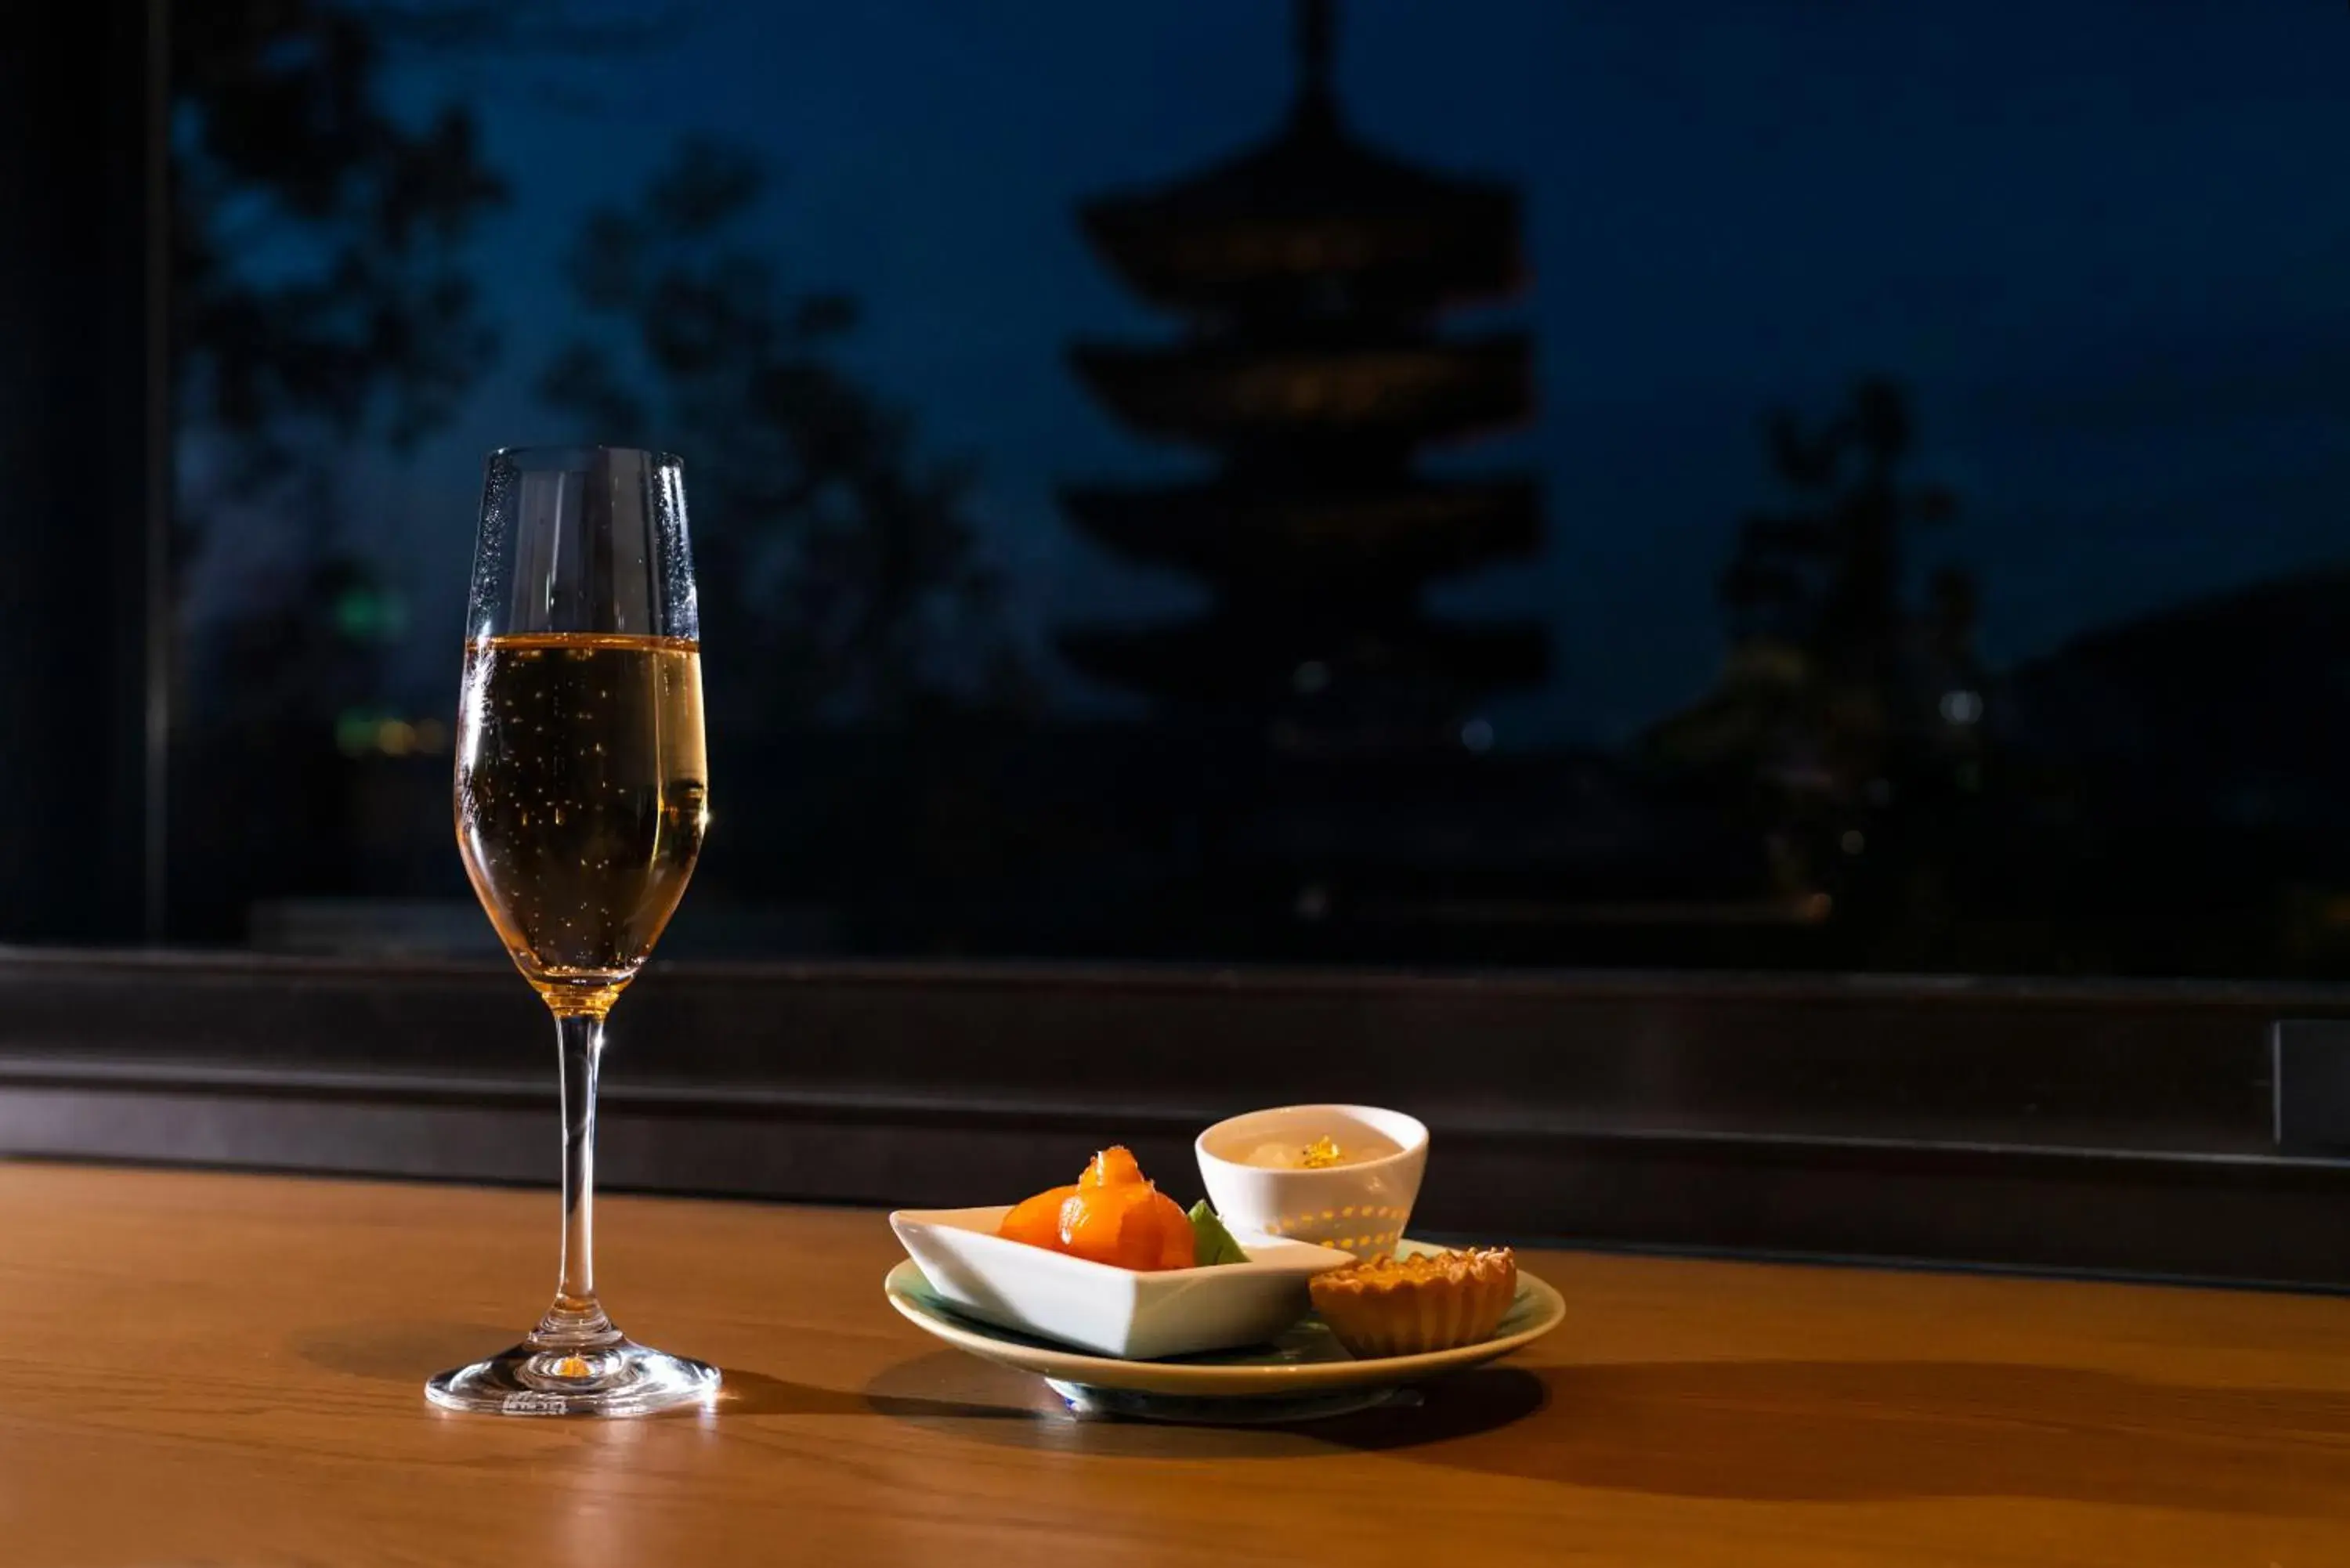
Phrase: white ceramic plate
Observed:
(1303, 1373)
(1123, 1312)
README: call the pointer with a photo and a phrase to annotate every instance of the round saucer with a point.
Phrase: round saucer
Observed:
(1304, 1375)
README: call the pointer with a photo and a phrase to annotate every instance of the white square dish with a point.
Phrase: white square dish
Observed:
(1136, 1316)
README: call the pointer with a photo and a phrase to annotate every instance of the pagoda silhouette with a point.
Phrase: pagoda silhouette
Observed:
(1309, 271)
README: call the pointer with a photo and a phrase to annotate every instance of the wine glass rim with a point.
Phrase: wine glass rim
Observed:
(577, 456)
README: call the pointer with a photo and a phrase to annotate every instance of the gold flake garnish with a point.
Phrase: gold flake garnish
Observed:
(1322, 1152)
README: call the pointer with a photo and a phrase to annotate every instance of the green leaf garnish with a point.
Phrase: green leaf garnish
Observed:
(1212, 1244)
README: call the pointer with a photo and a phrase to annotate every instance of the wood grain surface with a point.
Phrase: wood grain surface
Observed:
(226, 1369)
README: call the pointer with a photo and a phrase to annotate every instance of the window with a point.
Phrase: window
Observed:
(1806, 485)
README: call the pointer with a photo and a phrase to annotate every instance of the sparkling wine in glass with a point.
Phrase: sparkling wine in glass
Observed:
(581, 799)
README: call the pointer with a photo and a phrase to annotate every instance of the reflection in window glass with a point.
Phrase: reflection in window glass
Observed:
(1515, 483)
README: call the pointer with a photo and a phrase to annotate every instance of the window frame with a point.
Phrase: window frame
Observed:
(2115, 1128)
(88, 527)
(2110, 1126)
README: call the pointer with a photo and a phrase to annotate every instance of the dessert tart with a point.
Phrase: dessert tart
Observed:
(1408, 1306)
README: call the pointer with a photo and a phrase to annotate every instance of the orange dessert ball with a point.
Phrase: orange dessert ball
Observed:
(1110, 1215)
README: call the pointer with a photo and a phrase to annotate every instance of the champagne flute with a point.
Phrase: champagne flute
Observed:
(581, 798)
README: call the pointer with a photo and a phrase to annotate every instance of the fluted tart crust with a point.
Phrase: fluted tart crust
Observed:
(1407, 1306)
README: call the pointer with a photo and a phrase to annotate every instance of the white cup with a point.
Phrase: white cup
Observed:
(1359, 1207)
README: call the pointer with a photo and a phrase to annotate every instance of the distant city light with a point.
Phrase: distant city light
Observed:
(1310, 677)
(1854, 843)
(370, 615)
(1477, 734)
(355, 733)
(1962, 706)
(1313, 901)
(360, 733)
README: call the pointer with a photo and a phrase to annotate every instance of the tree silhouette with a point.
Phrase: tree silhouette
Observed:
(1819, 589)
(318, 281)
(321, 292)
(320, 295)
(1852, 720)
(839, 564)
(1827, 574)
(317, 285)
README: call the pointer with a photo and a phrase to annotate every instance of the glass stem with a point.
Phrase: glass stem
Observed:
(577, 1320)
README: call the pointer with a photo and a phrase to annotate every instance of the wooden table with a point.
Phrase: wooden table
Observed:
(225, 1369)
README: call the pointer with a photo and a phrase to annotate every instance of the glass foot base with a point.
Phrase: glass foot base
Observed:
(622, 1378)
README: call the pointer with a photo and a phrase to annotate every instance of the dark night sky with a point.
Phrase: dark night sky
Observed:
(2107, 241)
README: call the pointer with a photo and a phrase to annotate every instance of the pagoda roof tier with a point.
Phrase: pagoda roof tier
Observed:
(1281, 220)
(1215, 660)
(1218, 394)
(1235, 531)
